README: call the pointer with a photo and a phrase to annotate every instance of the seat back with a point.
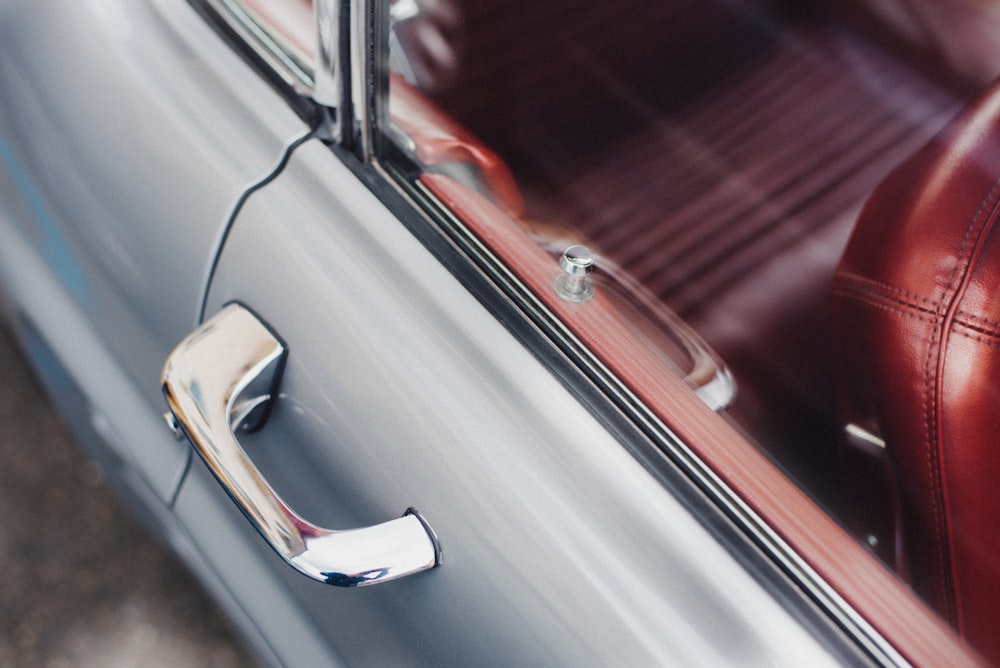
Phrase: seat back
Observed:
(916, 318)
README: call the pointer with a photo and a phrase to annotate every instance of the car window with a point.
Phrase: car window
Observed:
(697, 154)
(676, 182)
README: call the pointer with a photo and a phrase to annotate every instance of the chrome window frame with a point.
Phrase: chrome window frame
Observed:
(293, 71)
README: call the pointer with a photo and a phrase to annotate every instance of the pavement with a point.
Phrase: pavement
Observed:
(81, 583)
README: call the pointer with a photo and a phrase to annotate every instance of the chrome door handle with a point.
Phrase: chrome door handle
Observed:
(221, 378)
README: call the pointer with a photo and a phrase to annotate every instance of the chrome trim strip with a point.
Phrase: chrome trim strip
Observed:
(369, 76)
(328, 85)
(293, 71)
(357, 73)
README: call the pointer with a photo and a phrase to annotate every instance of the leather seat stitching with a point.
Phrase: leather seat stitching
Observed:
(991, 339)
(978, 325)
(972, 317)
(887, 304)
(932, 375)
(865, 283)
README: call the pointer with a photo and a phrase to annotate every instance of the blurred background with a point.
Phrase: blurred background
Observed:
(81, 583)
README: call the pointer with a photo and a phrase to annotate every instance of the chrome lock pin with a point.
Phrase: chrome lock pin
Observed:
(574, 284)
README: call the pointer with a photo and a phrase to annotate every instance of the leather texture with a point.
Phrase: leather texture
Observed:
(916, 318)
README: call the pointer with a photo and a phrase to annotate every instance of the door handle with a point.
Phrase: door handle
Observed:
(221, 378)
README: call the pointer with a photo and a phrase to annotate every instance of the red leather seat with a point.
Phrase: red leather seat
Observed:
(916, 316)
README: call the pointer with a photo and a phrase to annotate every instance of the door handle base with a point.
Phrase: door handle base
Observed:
(222, 377)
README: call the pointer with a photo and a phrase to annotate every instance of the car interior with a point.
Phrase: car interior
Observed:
(716, 157)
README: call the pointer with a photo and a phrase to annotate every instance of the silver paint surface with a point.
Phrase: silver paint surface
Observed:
(122, 152)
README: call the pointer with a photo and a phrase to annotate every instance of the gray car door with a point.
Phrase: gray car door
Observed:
(402, 390)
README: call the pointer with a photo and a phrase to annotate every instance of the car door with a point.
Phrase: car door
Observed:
(410, 382)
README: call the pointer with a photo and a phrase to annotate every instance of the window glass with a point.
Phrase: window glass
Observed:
(711, 157)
